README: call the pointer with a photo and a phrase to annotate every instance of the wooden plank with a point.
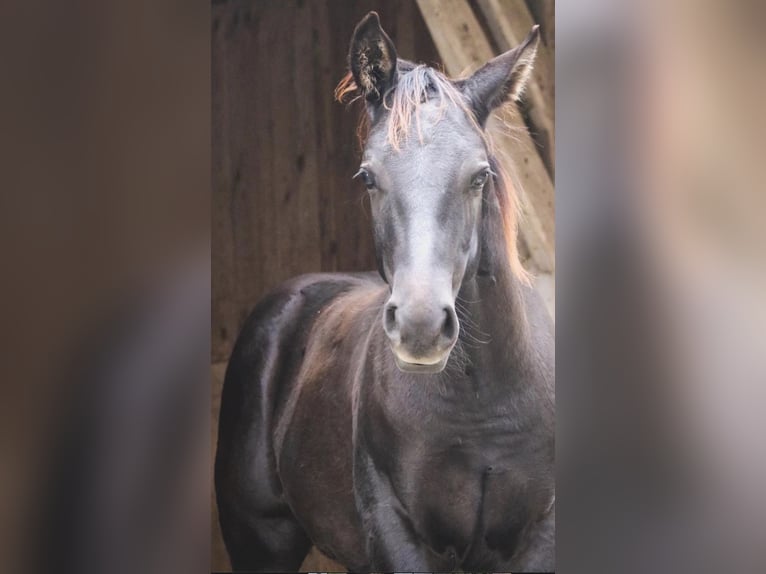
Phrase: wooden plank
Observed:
(463, 47)
(509, 22)
(544, 13)
(222, 255)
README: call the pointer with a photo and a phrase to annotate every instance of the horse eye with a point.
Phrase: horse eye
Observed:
(367, 178)
(480, 179)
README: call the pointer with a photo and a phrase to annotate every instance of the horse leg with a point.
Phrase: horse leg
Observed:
(537, 552)
(262, 543)
(258, 527)
(392, 544)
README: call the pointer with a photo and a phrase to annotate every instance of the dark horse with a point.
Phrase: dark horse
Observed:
(402, 424)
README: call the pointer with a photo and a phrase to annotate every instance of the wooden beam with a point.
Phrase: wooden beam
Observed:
(509, 22)
(544, 13)
(463, 47)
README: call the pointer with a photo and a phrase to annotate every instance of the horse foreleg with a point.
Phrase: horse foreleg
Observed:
(537, 552)
(392, 545)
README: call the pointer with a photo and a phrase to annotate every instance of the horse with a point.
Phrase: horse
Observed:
(402, 420)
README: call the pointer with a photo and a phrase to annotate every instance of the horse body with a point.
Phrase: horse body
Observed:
(461, 463)
(401, 421)
(268, 458)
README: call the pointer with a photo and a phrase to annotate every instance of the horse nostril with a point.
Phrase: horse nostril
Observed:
(449, 328)
(390, 319)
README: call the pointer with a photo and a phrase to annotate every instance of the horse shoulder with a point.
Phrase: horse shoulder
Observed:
(313, 436)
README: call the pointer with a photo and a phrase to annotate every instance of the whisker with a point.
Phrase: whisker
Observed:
(464, 300)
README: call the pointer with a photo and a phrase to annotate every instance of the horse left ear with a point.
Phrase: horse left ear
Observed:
(501, 79)
(372, 58)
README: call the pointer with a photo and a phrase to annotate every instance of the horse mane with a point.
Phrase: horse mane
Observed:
(415, 85)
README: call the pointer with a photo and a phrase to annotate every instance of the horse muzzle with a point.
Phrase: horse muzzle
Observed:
(421, 335)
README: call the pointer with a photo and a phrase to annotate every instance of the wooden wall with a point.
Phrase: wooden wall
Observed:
(283, 150)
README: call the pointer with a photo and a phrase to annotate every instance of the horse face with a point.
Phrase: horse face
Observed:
(425, 166)
(426, 204)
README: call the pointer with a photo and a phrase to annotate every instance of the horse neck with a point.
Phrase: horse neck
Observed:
(495, 330)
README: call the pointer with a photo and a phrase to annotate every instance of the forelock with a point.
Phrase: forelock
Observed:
(414, 87)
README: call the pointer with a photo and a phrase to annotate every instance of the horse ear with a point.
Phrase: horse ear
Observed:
(372, 58)
(501, 79)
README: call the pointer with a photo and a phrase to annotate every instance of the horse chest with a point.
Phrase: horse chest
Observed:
(474, 493)
(468, 471)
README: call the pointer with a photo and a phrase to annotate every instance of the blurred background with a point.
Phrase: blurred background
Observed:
(106, 217)
(661, 251)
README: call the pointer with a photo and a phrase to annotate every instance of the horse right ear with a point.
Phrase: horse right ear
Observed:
(502, 78)
(372, 59)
